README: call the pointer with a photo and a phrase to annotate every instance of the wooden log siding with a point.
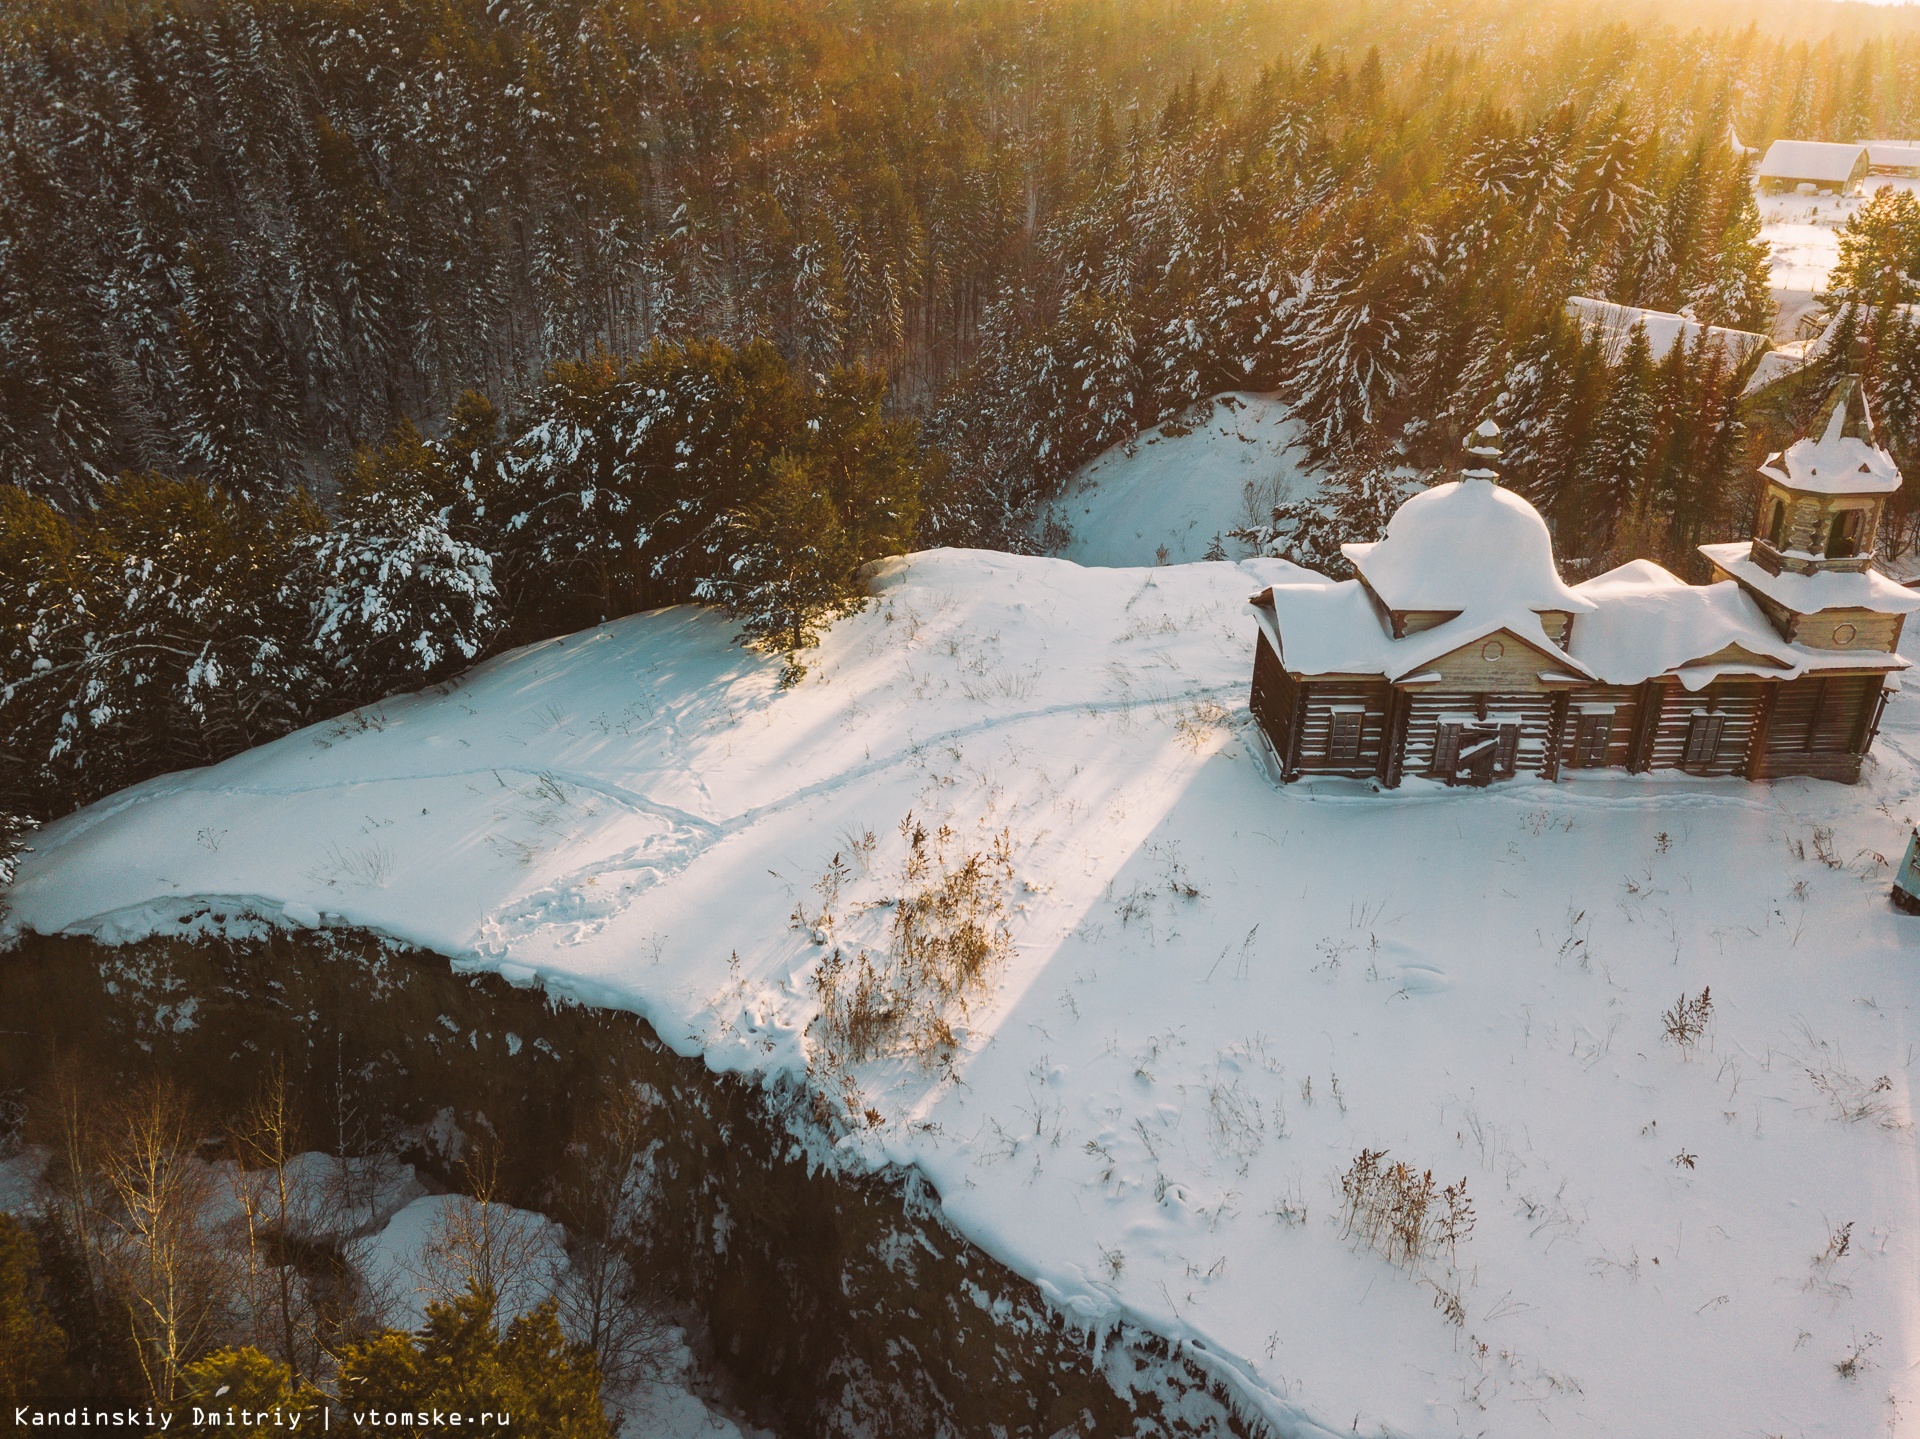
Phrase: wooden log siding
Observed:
(1870, 631)
(1424, 718)
(1325, 699)
(1393, 752)
(1819, 726)
(1272, 701)
(1732, 705)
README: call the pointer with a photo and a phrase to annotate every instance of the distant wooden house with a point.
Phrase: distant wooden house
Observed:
(1894, 157)
(1459, 654)
(1818, 164)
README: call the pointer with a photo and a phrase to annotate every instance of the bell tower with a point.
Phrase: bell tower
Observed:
(1823, 494)
(1810, 564)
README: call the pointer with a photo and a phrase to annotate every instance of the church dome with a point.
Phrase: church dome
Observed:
(1466, 545)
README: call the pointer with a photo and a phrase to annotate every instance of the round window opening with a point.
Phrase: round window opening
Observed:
(1843, 634)
(1492, 650)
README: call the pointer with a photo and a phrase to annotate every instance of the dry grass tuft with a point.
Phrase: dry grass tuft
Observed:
(948, 938)
(1403, 1216)
(1686, 1023)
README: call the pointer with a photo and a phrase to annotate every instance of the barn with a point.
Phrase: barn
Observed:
(1825, 166)
(1457, 652)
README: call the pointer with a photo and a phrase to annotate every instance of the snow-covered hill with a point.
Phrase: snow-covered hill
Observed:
(1218, 991)
(1164, 496)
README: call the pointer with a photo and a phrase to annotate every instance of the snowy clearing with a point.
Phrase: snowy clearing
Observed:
(1164, 495)
(1218, 991)
(1804, 231)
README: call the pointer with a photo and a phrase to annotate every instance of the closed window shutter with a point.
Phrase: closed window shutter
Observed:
(1703, 739)
(1507, 750)
(1343, 738)
(1446, 749)
(1590, 749)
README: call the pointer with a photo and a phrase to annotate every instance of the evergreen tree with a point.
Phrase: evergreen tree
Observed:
(1879, 260)
(250, 1385)
(793, 567)
(1616, 458)
(32, 1346)
(460, 1361)
(398, 601)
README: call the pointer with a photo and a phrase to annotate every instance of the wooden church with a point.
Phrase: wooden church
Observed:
(1459, 654)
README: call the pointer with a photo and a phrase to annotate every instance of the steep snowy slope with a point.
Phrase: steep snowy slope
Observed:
(1218, 992)
(1165, 495)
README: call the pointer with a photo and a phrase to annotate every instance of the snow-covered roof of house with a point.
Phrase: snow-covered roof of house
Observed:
(1333, 628)
(1614, 323)
(1843, 460)
(1648, 621)
(1899, 154)
(1469, 546)
(1809, 594)
(1810, 160)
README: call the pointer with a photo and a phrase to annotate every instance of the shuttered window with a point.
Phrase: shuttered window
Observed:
(1590, 741)
(1446, 750)
(1703, 739)
(1343, 735)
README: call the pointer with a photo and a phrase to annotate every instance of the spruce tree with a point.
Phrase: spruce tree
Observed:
(1615, 462)
(398, 601)
(461, 1361)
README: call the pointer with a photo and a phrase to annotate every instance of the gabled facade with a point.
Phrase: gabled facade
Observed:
(1457, 652)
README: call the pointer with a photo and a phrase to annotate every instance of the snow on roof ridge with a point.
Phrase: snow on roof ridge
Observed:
(1663, 328)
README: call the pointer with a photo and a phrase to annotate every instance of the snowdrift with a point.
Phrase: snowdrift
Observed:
(1213, 993)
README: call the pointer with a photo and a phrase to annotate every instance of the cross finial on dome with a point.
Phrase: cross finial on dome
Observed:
(1483, 449)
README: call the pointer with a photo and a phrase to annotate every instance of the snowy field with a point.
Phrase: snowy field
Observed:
(1219, 991)
(1163, 496)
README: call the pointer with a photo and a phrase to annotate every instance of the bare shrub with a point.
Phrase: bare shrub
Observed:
(273, 1210)
(1686, 1023)
(1855, 1362)
(1857, 1100)
(604, 1302)
(1236, 1123)
(1402, 1215)
(480, 1243)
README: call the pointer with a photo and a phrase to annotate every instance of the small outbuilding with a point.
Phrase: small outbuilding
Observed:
(1824, 166)
(1894, 157)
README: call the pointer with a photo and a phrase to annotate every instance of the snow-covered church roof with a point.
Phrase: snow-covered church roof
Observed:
(1647, 621)
(1469, 546)
(1844, 460)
